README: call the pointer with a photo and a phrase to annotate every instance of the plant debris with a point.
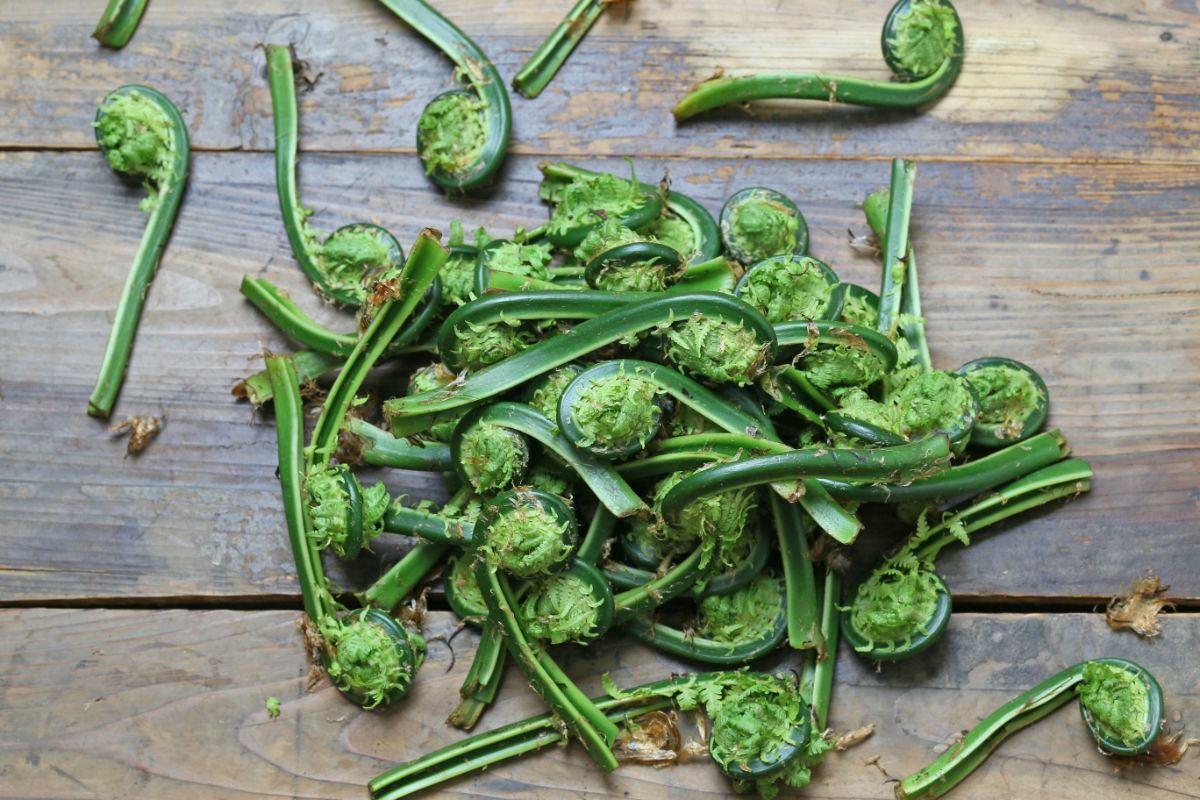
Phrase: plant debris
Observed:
(1139, 609)
(272, 707)
(141, 430)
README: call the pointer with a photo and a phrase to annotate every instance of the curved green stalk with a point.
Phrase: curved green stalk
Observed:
(879, 598)
(431, 527)
(723, 91)
(492, 747)
(283, 312)
(628, 605)
(166, 193)
(609, 487)
(381, 449)
(416, 412)
(289, 423)
(544, 64)
(309, 365)
(959, 761)
(476, 68)
(891, 464)
(303, 239)
(599, 531)
(405, 575)
(419, 271)
(980, 475)
(118, 22)
(708, 651)
(811, 334)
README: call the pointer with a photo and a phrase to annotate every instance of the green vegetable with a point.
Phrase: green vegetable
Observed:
(903, 607)
(118, 22)
(702, 242)
(517, 419)
(758, 223)
(790, 287)
(922, 44)
(529, 537)
(1101, 690)
(276, 306)
(542, 66)
(140, 133)
(587, 199)
(717, 336)
(501, 549)
(409, 284)
(612, 416)
(572, 606)
(369, 656)
(343, 516)
(342, 265)
(732, 628)
(1013, 400)
(463, 134)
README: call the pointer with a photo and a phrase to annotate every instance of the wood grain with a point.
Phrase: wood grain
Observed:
(143, 704)
(1051, 81)
(1085, 272)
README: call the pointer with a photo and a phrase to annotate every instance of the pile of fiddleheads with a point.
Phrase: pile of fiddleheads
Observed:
(648, 422)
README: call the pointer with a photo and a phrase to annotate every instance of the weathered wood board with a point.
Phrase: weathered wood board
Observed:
(1087, 272)
(145, 704)
(1075, 81)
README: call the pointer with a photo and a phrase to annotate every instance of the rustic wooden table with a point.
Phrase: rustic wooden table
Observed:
(150, 603)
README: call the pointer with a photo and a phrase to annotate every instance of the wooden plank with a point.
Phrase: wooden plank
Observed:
(1045, 81)
(1086, 272)
(143, 704)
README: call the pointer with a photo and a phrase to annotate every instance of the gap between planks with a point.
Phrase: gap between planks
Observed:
(586, 154)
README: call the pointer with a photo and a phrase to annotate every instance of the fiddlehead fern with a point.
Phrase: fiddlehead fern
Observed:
(342, 265)
(141, 135)
(463, 134)
(758, 223)
(922, 44)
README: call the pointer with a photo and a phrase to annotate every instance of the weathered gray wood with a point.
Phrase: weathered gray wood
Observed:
(1085, 272)
(146, 704)
(1044, 81)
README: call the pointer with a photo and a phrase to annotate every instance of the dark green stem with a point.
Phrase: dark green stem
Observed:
(417, 412)
(895, 246)
(822, 687)
(912, 327)
(483, 679)
(405, 575)
(980, 475)
(289, 423)
(309, 365)
(799, 582)
(420, 270)
(889, 464)
(118, 22)
(544, 64)
(381, 449)
(574, 708)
